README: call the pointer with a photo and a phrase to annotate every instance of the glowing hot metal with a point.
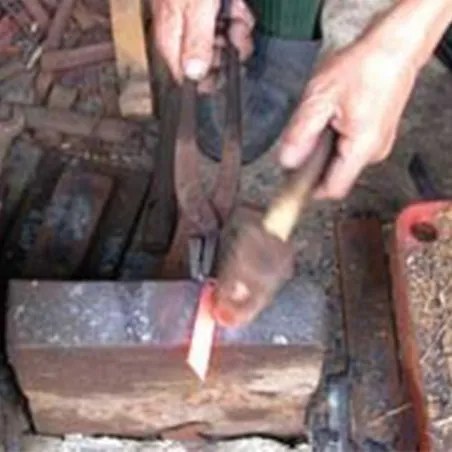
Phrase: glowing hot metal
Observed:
(203, 332)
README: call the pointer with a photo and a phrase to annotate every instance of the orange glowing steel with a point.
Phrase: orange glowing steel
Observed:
(203, 332)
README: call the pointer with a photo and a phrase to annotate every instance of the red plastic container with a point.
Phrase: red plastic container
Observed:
(416, 227)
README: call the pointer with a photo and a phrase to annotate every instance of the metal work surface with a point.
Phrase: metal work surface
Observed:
(104, 313)
(111, 358)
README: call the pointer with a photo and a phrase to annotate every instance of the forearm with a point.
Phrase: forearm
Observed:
(344, 21)
(411, 29)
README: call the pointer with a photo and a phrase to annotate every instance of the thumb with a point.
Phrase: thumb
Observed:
(198, 37)
(303, 131)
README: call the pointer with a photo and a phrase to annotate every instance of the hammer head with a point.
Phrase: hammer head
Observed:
(257, 266)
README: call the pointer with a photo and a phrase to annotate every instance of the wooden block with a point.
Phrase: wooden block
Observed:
(373, 366)
(131, 57)
(69, 225)
(110, 358)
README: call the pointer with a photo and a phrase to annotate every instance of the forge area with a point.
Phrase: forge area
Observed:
(96, 320)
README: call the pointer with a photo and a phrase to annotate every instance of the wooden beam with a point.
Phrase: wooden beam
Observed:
(131, 57)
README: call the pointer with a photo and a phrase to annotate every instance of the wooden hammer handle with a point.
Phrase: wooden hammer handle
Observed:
(286, 208)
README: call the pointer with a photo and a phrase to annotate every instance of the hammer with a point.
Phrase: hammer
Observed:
(261, 259)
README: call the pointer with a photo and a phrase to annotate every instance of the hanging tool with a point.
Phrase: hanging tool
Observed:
(261, 259)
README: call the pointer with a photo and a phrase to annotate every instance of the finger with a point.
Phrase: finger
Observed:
(354, 154)
(198, 38)
(304, 130)
(167, 32)
(241, 12)
(240, 36)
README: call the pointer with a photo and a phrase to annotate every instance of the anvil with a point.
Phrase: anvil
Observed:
(110, 358)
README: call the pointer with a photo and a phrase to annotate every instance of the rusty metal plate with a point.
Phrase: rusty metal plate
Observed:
(70, 222)
(110, 358)
(378, 406)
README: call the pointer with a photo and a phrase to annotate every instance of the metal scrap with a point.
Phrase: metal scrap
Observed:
(59, 60)
(112, 130)
(38, 12)
(58, 25)
(15, 10)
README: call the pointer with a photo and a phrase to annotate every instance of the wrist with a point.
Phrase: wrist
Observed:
(410, 30)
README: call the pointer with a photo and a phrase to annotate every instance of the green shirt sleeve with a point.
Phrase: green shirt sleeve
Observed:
(289, 19)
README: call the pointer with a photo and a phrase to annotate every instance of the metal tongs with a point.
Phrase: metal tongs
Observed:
(202, 215)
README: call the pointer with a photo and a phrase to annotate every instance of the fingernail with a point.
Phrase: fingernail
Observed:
(195, 69)
(289, 157)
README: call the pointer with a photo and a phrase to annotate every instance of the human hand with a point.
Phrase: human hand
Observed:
(184, 33)
(361, 93)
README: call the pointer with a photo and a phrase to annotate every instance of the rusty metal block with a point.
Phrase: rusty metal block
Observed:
(109, 358)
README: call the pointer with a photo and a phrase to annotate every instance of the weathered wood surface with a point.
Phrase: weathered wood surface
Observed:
(131, 57)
